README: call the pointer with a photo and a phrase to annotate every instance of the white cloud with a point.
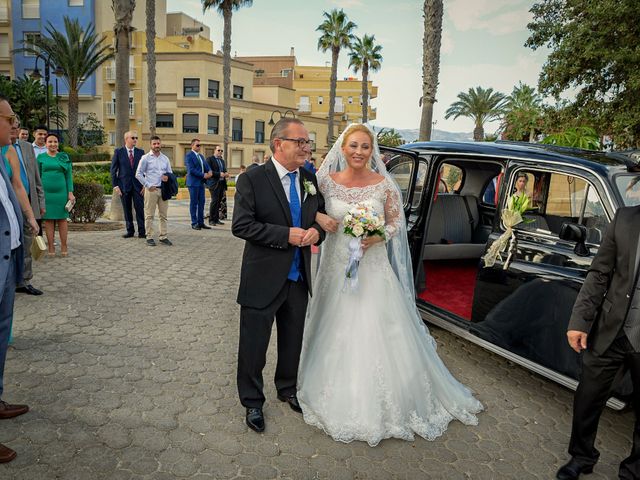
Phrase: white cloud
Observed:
(487, 15)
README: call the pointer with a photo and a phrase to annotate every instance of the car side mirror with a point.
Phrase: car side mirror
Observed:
(573, 232)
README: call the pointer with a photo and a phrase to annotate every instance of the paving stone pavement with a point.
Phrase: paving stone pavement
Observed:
(128, 365)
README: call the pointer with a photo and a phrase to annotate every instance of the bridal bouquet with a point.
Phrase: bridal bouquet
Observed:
(360, 222)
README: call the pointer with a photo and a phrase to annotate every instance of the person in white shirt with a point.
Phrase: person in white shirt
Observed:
(152, 171)
(39, 137)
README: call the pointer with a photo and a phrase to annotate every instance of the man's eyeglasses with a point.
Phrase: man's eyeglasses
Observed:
(11, 118)
(300, 141)
(134, 138)
(219, 151)
(197, 145)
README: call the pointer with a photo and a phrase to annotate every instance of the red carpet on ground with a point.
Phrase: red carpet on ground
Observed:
(450, 285)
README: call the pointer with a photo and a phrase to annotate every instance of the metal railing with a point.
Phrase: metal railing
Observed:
(4, 12)
(304, 107)
(339, 108)
(110, 74)
(111, 109)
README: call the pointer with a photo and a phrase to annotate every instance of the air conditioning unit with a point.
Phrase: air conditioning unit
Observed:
(345, 117)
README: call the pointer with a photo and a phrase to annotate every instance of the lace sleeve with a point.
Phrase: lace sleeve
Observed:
(392, 210)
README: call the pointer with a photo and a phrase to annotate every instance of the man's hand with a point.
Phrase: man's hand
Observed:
(296, 235)
(311, 237)
(153, 189)
(208, 175)
(327, 223)
(117, 191)
(577, 340)
(165, 178)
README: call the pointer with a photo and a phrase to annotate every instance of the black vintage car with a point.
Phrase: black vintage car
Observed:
(519, 307)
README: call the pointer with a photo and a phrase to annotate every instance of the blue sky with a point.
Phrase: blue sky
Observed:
(482, 44)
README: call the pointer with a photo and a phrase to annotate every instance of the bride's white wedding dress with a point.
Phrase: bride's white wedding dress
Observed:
(369, 368)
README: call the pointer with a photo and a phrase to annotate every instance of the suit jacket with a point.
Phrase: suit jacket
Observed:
(195, 175)
(5, 237)
(122, 175)
(215, 169)
(603, 302)
(36, 192)
(262, 217)
(169, 188)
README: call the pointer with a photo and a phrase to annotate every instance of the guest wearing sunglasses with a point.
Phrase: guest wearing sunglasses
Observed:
(217, 184)
(125, 185)
(198, 172)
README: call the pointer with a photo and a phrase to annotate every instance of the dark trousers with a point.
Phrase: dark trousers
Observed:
(288, 308)
(6, 313)
(196, 205)
(137, 199)
(216, 192)
(598, 373)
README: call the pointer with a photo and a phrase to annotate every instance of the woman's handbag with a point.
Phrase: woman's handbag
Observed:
(38, 247)
(69, 205)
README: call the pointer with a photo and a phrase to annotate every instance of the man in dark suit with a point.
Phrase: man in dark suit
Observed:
(276, 216)
(217, 184)
(125, 185)
(11, 259)
(605, 327)
(30, 176)
(198, 171)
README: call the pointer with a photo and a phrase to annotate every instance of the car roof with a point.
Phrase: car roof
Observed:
(605, 162)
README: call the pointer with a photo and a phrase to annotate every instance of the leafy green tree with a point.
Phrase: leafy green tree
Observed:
(523, 113)
(336, 33)
(594, 52)
(389, 137)
(577, 137)
(79, 52)
(433, 11)
(479, 104)
(365, 55)
(91, 133)
(29, 100)
(226, 9)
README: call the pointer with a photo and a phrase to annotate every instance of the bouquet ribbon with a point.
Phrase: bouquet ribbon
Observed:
(351, 272)
(510, 219)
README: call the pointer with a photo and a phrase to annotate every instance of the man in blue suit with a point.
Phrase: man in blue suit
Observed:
(198, 171)
(11, 261)
(125, 185)
(217, 184)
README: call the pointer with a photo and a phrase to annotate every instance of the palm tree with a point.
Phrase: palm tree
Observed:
(523, 112)
(28, 99)
(226, 8)
(335, 34)
(479, 104)
(78, 53)
(151, 63)
(432, 12)
(123, 11)
(389, 137)
(365, 55)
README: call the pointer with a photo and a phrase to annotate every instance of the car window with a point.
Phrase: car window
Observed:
(489, 194)
(452, 178)
(401, 173)
(629, 188)
(421, 183)
(556, 198)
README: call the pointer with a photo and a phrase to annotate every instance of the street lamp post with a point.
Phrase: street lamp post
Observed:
(47, 77)
(281, 115)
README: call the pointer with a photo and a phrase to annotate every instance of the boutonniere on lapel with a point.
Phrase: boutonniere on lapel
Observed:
(309, 187)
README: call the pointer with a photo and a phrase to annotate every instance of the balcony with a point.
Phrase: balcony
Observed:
(304, 107)
(110, 74)
(31, 11)
(111, 109)
(4, 13)
(339, 108)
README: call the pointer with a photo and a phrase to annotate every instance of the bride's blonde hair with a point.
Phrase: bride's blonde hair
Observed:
(356, 128)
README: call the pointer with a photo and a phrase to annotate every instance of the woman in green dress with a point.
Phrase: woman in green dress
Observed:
(57, 183)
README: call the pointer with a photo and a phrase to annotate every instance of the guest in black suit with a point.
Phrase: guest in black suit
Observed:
(125, 185)
(605, 327)
(276, 216)
(217, 184)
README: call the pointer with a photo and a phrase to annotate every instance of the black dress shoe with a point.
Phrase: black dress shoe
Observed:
(219, 223)
(166, 241)
(142, 235)
(196, 227)
(572, 470)
(29, 290)
(151, 242)
(127, 235)
(204, 227)
(292, 400)
(255, 419)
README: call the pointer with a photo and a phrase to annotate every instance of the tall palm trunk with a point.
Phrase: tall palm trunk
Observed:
(123, 10)
(226, 79)
(365, 91)
(431, 40)
(478, 133)
(335, 51)
(73, 117)
(151, 64)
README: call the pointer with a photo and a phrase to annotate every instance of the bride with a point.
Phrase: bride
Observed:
(369, 368)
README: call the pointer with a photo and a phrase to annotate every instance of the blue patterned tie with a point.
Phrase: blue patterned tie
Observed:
(296, 214)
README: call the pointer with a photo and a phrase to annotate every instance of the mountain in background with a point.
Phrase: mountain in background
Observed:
(412, 135)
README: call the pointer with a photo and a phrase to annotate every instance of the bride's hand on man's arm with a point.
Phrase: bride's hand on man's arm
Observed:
(327, 223)
(368, 241)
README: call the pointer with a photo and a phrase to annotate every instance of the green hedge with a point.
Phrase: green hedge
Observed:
(90, 204)
(101, 178)
(91, 168)
(89, 157)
